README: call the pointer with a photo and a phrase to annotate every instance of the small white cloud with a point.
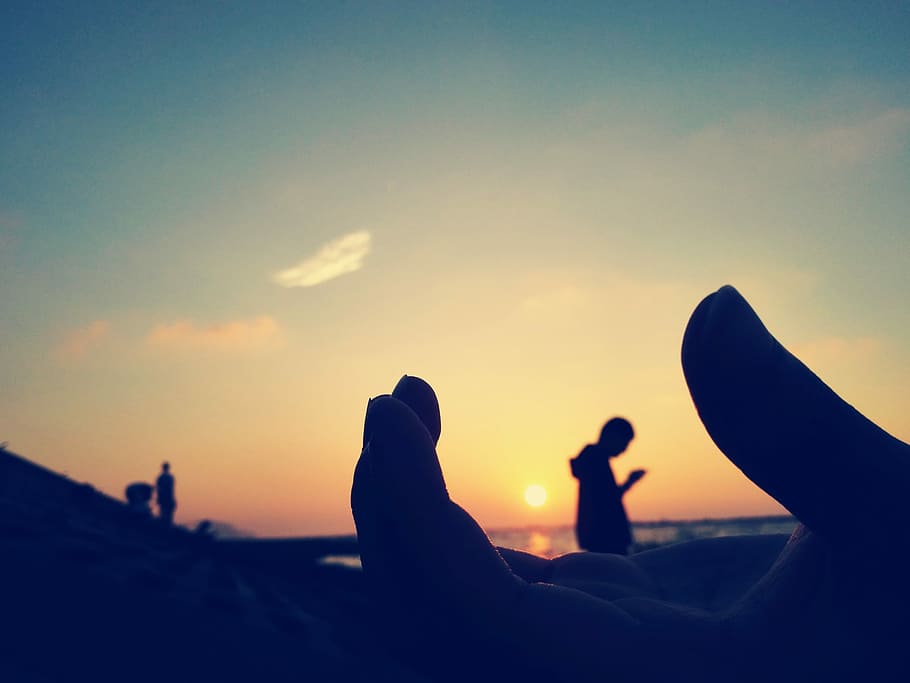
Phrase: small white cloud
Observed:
(237, 335)
(340, 256)
(79, 341)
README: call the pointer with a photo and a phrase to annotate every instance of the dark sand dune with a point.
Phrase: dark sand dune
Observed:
(92, 592)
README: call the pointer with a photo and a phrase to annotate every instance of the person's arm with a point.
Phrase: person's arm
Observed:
(630, 481)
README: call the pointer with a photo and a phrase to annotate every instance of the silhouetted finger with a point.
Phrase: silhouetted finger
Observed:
(419, 396)
(375, 545)
(403, 453)
(444, 565)
(405, 469)
(839, 473)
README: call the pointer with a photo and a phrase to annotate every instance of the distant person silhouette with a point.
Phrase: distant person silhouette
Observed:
(602, 525)
(164, 494)
(138, 498)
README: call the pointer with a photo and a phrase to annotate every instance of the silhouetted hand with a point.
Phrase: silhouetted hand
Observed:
(634, 476)
(832, 606)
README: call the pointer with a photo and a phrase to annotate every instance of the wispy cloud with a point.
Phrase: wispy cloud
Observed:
(770, 140)
(757, 144)
(340, 256)
(237, 335)
(832, 350)
(10, 226)
(78, 342)
(563, 299)
(885, 133)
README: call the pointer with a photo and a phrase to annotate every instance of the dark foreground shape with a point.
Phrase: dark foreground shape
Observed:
(830, 604)
(92, 592)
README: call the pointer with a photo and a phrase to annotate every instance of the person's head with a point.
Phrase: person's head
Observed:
(165, 466)
(616, 435)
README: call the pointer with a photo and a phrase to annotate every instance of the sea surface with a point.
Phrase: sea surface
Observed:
(550, 541)
(558, 540)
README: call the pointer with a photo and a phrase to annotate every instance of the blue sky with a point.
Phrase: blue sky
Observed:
(545, 194)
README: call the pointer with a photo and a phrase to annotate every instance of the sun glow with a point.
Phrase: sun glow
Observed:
(535, 495)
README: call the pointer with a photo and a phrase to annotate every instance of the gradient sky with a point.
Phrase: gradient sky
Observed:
(223, 226)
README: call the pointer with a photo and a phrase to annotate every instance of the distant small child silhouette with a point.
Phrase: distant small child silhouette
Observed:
(138, 498)
(164, 494)
(602, 525)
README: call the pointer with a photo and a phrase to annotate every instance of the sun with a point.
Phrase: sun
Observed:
(535, 495)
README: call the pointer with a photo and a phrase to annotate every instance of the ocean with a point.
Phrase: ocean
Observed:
(558, 540)
(550, 541)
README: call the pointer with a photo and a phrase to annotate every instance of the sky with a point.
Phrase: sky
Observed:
(224, 226)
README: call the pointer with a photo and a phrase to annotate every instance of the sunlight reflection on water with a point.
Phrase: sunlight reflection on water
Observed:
(558, 540)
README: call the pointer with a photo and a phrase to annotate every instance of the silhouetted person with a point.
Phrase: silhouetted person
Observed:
(164, 494)
(602, 525)
(139, 497)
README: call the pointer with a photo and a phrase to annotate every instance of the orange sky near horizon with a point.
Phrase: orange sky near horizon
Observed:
(282, 464)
